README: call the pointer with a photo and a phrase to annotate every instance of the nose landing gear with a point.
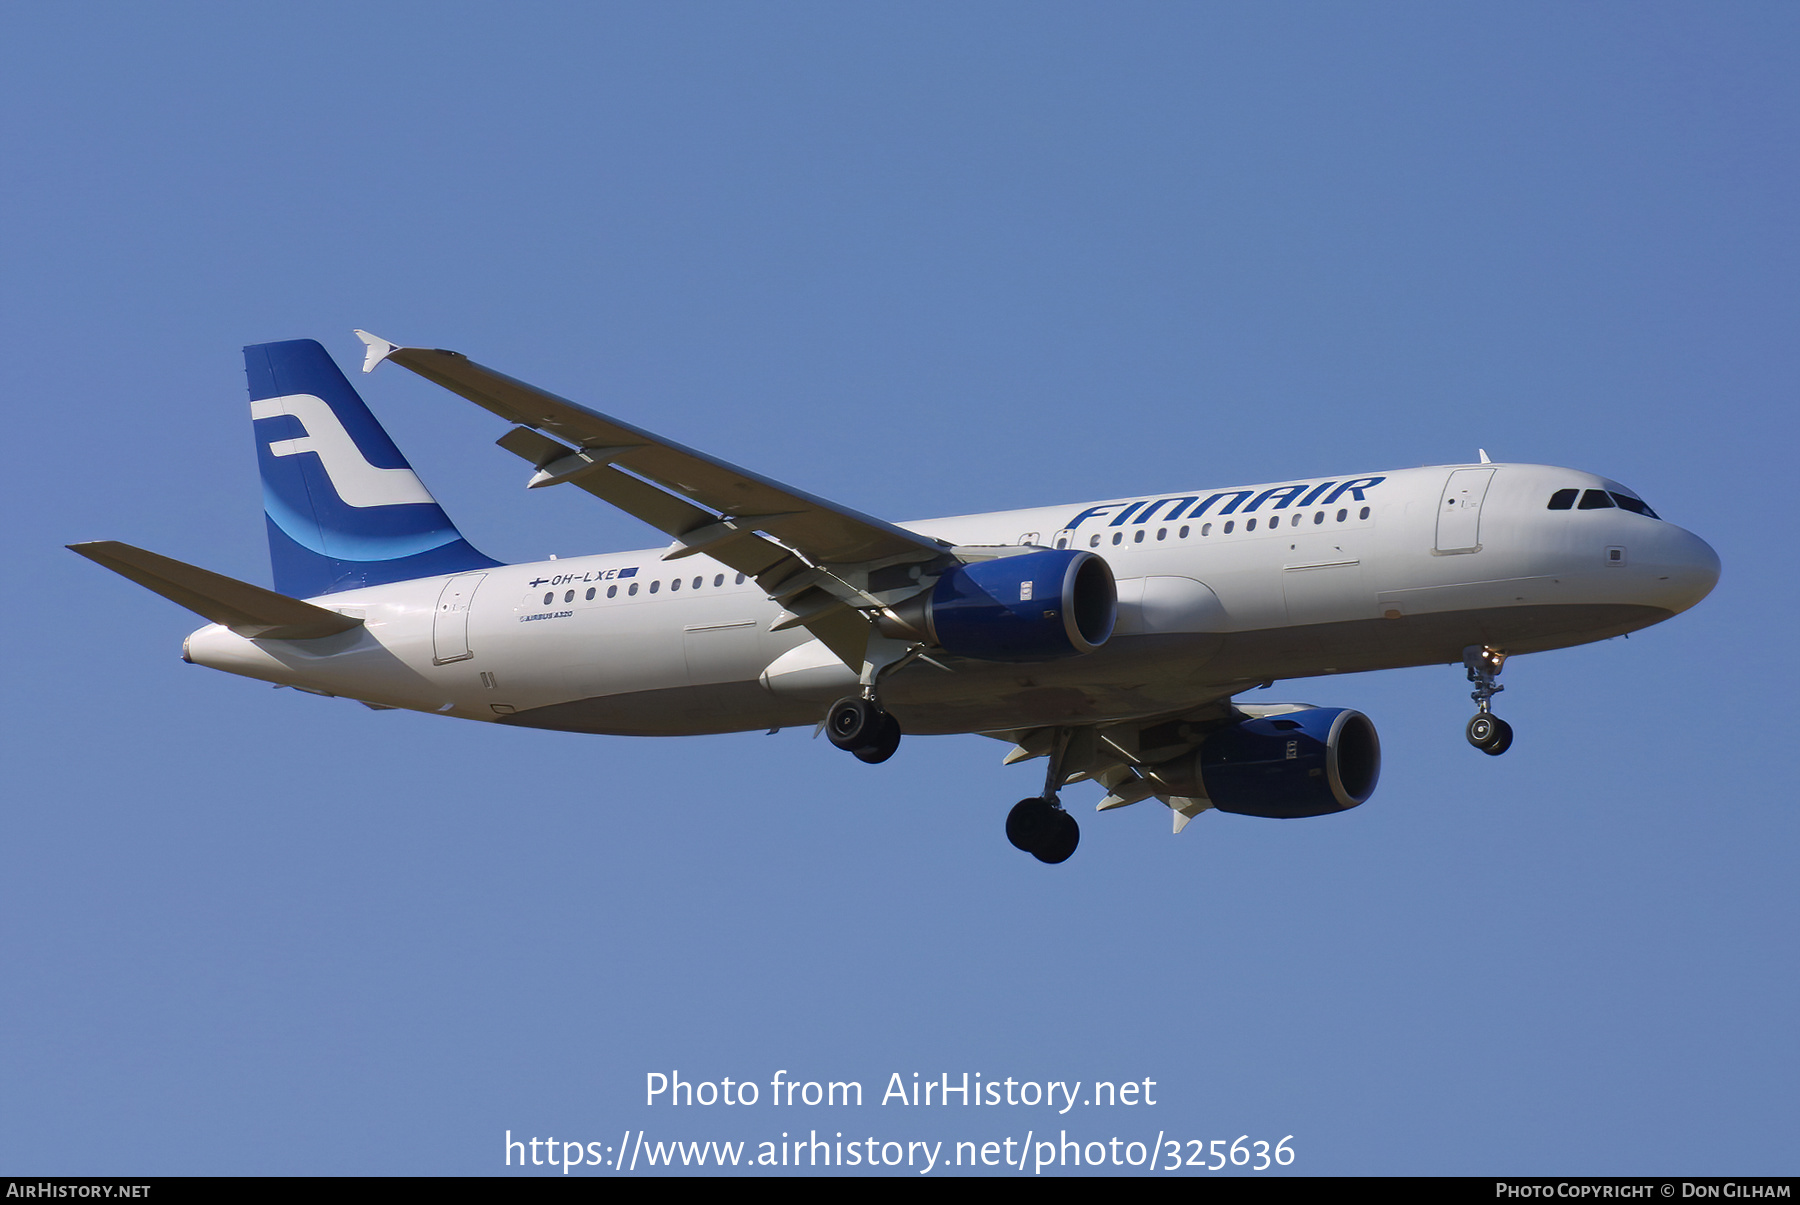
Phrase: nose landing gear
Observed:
(1486, 731)
(1040, 827)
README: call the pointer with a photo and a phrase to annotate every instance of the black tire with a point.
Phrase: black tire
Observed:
(1029, 823)
(851, 722)
(1482, 730)
(1061, 842)
(883, 741)
(1503, 738)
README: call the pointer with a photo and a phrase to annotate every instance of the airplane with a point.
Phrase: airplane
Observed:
(1108, 638)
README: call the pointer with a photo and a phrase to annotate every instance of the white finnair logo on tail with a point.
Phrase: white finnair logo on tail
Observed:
(357, 482)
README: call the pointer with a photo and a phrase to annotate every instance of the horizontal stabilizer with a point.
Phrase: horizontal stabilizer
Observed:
(250, 611)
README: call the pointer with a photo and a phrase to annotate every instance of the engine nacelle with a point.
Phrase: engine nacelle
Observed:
(1301, 763)
(1037, 606)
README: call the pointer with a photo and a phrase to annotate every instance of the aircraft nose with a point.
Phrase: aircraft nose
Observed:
(1687, 570)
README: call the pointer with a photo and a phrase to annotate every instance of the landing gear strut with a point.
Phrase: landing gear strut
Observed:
(1486, 731)
(860, 726)
(1040, 827)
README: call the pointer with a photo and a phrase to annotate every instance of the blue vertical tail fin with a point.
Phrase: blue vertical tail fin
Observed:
(344, 508)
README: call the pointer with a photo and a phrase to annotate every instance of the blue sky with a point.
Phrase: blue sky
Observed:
(922, 259)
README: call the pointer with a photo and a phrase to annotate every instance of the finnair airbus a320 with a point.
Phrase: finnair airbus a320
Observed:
(1108, 637)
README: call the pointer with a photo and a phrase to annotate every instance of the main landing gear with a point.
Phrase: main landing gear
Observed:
(1040, 827)
(860, 726)
(1486, 731)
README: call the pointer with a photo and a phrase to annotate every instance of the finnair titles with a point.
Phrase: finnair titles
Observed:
(1280, 496)
(1106, 638)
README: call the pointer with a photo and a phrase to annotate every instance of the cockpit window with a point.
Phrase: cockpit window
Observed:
(1636, 506)
(1563, 499)
(1596, 500)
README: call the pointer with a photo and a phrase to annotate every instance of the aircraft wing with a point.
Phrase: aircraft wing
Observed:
(705, 503)
(825, 532)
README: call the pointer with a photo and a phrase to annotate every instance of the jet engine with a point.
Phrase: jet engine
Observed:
(1036, 606)
(1310, 762)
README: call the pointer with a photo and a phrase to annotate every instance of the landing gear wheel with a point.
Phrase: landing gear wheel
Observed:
(857, 725)
(1502, 739)
(1042, 830)
(1482, 730)
(1062, 840)
(1029, 823)
(1490, 734)
(884, 740)
(851, 722)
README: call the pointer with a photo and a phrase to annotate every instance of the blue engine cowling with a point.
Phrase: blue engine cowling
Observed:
(1037, 606)
(1301, 763)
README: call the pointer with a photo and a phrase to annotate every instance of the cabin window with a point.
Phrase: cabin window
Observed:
(1636, 506)
(1184, 533)
(1595, 500)
(612, 592)
(740, 580)
(590, 594)
(1139, 538)
(633, 589)
(718, 581)
(1206, 529)
(1095, 542)
(568, 596)
(1318, 518)
(1118, 537)
(1562, 499)
(549, 598)
(1342, 515)
(1162, 533)
(1250, 526)
(655, 586)
(1364, 513)
(1229, 524)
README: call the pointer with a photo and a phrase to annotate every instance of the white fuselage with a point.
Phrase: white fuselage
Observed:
(1407, 571)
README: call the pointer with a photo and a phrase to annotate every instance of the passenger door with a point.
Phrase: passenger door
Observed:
(1459, 511)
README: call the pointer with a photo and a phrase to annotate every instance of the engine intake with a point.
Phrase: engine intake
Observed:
(1037, 606)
